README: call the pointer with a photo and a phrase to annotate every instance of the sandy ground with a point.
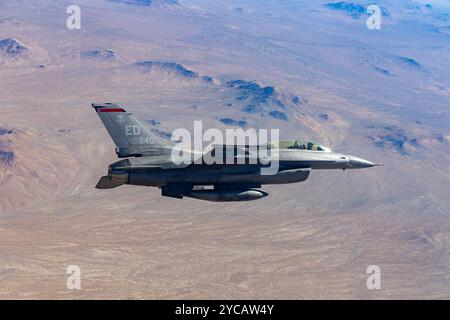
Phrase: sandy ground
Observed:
(309, 240)
(184, 250)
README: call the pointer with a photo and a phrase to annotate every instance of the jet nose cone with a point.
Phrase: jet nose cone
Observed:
(358, 163)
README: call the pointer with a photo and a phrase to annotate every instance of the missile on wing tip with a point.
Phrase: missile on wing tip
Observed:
(227, 195)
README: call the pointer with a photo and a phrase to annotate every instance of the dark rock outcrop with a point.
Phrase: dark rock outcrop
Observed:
(383, 71)
(101, 54)
(172, 68)
(4, 131)
(154, 122)
(397, 139)
(207, 79)
(162, 134)
(257, 97)
(6, 157)
(12, 48)
(251, 108)
(409, 63)
(233, 122)
(255, 92)
(278, 115)
(354, 10)
(263, 100)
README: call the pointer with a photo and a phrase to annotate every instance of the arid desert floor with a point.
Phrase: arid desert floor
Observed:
(312, 69)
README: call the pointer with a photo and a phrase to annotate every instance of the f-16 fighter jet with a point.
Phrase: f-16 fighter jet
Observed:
(149, 161)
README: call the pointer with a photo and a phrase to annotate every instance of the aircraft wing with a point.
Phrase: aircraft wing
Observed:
(234, 152)
(162, 162)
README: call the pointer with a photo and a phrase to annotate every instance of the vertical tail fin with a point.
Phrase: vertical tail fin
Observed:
(131, 136)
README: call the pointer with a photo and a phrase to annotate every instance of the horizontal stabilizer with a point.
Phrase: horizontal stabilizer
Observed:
(105, 183)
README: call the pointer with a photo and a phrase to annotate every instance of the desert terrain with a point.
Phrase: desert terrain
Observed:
(311, 68)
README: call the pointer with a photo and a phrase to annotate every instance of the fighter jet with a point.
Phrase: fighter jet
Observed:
(148, 162)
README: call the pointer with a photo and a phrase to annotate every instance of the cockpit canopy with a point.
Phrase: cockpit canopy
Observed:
(300, 145)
